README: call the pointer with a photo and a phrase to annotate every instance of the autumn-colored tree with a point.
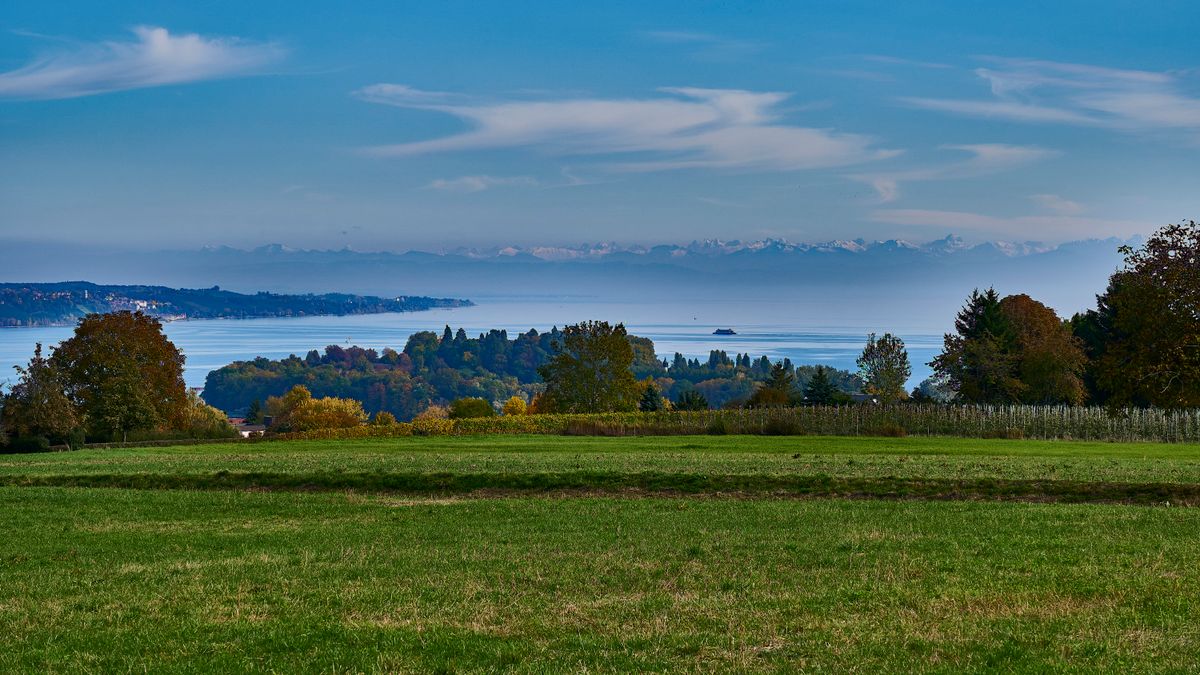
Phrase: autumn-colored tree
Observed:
(297, 410)
(37, 404)
(201, 420)
(329, 413)
(123, 374)
(590, 372)
(884, 368)
(1149, 323)
(384, 418)
(537, 405)
(281, 408)
(515, 405)
(1011, 350)
(1048, 359)
(434, 412)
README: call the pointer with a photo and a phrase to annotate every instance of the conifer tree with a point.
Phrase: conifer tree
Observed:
(820, 389)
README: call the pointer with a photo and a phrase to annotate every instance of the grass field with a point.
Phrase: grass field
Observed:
(490, 564)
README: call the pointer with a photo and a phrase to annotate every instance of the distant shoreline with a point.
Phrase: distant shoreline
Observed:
(190, 319)
(49, 305)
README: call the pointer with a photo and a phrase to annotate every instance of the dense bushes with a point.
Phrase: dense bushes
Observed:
(1034, 422)
(1007, 422)
(470, 407)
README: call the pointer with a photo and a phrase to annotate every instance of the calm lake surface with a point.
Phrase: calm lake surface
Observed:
(774, 329)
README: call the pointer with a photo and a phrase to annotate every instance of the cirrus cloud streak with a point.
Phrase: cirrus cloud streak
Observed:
(682, 128)
(1037, 91)
(155, 58)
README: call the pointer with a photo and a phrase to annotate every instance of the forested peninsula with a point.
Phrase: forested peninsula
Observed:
(435, 370)
(64, 303)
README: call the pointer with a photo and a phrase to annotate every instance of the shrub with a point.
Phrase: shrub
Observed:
(716, 427)
(434, 412)
(585, 427)
(327, 413)
(370, 431)
(433, 426)
(384, 418)
(781, 426)
(471, 407)
(890, 431)
(1010, 433)
(766, 397)
(23, 444)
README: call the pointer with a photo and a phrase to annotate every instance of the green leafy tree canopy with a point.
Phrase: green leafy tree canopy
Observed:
(591, 371)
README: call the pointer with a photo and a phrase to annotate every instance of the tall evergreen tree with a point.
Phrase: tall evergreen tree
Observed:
(651, 400)
(254, 412)
(781, 379)
(691, 400)
(976, 362)
(820, 389)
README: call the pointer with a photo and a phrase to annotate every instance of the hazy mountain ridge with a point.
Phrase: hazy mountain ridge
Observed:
(849, 282)
(677, 253)
(708, 248)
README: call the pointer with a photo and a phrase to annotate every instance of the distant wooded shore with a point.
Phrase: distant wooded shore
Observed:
(64, 303)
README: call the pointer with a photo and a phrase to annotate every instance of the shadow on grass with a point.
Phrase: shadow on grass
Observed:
(641, 483)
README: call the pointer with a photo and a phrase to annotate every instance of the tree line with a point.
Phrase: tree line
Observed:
(1139, 347)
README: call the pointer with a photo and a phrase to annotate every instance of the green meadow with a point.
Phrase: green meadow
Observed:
(553, 554)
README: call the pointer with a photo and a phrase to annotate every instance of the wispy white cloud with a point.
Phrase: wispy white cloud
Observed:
(1057, 205)
(480, 183)
(154, 58)
(1054, 228)
(705, 46)
(985, 159)
(683, 128)
(900, 61)
(1029, 90)
(404, 96)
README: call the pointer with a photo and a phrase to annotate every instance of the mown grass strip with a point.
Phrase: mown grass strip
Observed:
(651, 483)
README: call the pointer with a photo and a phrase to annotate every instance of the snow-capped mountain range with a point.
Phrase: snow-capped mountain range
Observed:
(719, 247)
(844, 280)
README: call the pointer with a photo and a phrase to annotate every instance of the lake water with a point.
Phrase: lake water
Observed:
(771, 328)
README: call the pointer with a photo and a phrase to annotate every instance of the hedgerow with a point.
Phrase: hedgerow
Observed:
(1033, 422)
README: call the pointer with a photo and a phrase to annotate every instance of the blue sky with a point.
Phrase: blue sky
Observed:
(429, 125)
